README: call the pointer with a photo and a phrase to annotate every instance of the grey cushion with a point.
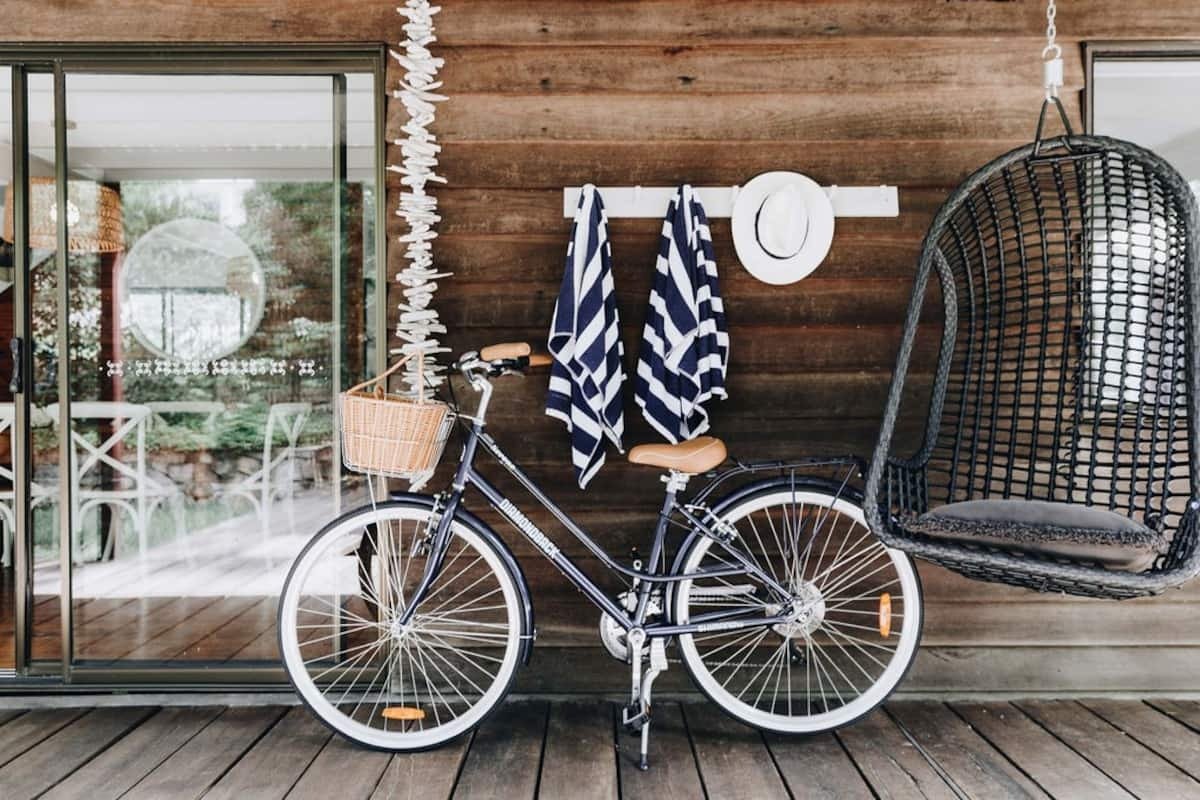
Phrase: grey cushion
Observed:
(1059, 530)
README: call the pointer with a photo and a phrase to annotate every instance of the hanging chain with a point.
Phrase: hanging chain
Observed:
(1052, 64)
(1051, 31)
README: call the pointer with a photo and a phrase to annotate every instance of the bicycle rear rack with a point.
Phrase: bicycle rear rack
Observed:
(843, 469)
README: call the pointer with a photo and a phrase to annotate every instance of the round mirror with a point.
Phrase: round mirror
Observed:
(192, 290)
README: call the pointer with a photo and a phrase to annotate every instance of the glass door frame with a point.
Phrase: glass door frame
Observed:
(167, 59)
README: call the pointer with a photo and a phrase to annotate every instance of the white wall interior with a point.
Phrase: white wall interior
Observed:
(143, 127)
(1152, 102)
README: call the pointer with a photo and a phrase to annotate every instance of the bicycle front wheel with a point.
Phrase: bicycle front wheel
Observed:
(856, 621)
(377, 682)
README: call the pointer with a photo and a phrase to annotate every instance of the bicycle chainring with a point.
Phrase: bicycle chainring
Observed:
(612, 635)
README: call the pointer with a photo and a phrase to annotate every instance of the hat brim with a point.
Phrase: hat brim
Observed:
(754, 257)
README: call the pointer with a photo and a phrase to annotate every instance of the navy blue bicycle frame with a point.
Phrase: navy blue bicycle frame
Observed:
(467, 476)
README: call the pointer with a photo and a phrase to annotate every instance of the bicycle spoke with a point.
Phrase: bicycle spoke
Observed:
(443, 675)
(749, 647)
(754, 677)
(872, 595)
(861, 641)
(835, 635)
(832, 684)
(780, 548)
(750, 553)
(858, 576)
(462, 608)
(430, 686)
(474, 637)
(469, 657)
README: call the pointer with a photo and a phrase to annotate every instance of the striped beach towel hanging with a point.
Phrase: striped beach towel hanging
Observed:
(685, 346)
(585, 339)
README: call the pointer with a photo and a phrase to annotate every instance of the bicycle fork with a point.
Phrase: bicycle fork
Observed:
(438, 544)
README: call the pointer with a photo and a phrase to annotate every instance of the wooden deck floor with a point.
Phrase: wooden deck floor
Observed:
(1062, 748)
(209, 596)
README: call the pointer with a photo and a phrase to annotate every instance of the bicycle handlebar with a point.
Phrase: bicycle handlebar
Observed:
(472, 366)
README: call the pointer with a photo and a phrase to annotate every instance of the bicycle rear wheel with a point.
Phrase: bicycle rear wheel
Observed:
(386, 685)
(856, 630)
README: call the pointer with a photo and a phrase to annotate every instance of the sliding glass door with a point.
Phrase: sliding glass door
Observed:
(8, 588)
(211, 286)
(31, 625)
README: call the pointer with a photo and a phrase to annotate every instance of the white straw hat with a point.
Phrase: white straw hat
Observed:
(782, 226)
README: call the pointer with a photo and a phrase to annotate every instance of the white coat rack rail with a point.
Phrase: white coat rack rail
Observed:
(652, 201)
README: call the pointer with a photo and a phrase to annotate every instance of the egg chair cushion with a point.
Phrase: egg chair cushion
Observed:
(1055, 530)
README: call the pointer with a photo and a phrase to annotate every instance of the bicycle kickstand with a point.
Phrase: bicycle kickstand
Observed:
(637, 714)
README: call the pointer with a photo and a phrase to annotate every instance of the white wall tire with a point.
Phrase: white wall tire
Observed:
(423, 648)
(823, 642)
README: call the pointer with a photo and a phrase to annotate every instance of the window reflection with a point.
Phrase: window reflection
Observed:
(191, 290)
(202, 351)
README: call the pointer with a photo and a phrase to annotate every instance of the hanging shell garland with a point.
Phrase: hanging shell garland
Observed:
(419, 325)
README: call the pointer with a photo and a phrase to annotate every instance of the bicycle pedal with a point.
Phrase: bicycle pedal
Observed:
(634, 717)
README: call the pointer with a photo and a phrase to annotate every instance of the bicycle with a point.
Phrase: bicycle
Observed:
(402, 623)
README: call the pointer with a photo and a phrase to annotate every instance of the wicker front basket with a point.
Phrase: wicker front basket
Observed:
(391, 435)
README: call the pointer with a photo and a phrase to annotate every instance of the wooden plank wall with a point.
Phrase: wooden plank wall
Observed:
(547, 93)
(916, 94)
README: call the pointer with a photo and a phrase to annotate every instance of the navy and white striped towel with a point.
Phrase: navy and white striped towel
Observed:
(685, 346)
(585, 340)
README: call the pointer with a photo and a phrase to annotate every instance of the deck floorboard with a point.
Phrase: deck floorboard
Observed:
(25, 731)
(1113, 751)
(734, 759)
(1045, 759)
(114, 771)
(969, 761)
(1154, 730)
(200, 763)
(70, 748)
(276, 762)
(674, 772)
(576, 748)
(573, 767)
(894, 767)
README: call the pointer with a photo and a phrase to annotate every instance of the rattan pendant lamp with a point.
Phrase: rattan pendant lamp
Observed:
(1060, 442)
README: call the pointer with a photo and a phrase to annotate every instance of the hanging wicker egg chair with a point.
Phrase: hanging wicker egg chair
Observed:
(1060, 446)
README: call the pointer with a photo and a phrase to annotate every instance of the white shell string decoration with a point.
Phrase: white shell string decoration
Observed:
(419, 324)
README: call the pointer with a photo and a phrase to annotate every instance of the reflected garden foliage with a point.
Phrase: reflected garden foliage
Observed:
(287, 358)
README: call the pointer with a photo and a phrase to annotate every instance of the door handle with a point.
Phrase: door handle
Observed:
(16, 385)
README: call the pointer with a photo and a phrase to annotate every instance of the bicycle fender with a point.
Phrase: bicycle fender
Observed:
(487, 534)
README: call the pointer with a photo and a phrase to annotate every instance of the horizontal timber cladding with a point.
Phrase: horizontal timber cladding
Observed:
(670, 23)
(914, 94)
(549, 93)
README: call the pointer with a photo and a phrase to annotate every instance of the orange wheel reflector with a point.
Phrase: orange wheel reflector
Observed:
(885, 615)
(403, 712)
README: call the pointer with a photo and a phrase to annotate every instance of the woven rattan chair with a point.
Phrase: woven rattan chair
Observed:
(1060, 435)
